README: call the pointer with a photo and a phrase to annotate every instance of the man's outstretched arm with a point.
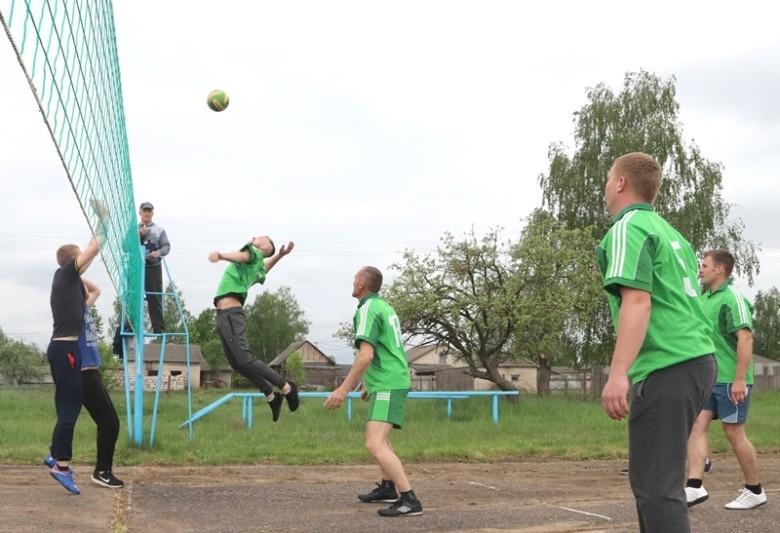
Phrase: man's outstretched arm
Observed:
(284, 250)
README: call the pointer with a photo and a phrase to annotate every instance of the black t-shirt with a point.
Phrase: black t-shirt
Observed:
(67, 301)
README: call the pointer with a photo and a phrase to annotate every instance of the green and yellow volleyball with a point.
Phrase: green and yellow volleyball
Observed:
(218, 100)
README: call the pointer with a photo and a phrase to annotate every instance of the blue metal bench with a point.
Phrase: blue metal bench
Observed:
(247, 399)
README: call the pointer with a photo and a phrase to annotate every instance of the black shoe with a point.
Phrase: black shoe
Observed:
(381, 494)
(107, 479)
(623, 471)
(292, 397)
(707, 465)
(402, 507)
(276, 405)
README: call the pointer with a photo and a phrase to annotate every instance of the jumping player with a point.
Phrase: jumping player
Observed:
(248, 266)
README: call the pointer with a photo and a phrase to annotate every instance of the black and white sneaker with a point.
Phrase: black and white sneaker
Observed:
(276, 405)
(292, 397)
(107, 479)
(402, 507)
(383, 493)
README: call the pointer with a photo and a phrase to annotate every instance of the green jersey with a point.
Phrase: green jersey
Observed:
(376, 323)
(728, 312)
(643, 251)
(238, 277)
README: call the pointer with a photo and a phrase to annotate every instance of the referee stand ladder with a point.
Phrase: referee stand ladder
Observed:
(137, 337)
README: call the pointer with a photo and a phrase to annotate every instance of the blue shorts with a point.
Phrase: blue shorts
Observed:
(720, 404)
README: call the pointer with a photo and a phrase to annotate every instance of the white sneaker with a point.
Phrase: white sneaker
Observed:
(695, 496)
(747, 500)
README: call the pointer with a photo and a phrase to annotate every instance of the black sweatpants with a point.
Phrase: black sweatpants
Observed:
(153, 281)
(231, 325)
(101, 409)
(65, 365)
(663, 409)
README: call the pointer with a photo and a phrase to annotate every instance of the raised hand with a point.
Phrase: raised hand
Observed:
(286, 248)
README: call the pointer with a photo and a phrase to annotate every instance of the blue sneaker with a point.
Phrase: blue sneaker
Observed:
(49, 461)
(65, 479)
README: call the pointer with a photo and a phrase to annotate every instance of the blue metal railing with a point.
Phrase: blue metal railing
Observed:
(247, 412)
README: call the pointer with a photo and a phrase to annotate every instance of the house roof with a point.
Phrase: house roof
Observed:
(764, 360)
(174, 353)
(294, 347)
(416, 352)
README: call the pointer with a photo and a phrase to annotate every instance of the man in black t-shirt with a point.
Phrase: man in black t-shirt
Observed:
(67, 306)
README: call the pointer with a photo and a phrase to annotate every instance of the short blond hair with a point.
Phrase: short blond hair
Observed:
(642, 172)
(66, 252)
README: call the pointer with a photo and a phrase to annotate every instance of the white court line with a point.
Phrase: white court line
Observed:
(481, 485)
(580, 512)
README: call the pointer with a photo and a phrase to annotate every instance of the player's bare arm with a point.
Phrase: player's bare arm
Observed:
(284, 250)
(632, 328)
(744, 355)
(232, 257)
(362, 361)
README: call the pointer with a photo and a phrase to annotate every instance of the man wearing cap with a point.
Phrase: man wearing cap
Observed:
(155, 240)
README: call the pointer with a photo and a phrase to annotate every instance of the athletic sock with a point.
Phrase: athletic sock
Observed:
(755, 489)
(694, 483)
(388, 484)
(409, 496)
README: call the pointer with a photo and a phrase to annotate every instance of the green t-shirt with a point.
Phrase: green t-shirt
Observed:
(376, 323)
(643, 251)
(728, 312)
(238, 277)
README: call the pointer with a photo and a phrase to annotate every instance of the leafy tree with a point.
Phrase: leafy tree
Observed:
(203, 332)
(274, 321)
(20, 361)
(98, 320)
(644, 116)
(294, 368)
(172, 316)
(766, 323)
(560, 290)
(464, 295)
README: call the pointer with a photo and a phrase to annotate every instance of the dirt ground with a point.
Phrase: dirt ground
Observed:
(529, 496)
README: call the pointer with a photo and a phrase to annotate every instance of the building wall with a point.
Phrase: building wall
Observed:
(522, 378)
(438, 357)
(454, 379)
(310, 354)
(178, 368)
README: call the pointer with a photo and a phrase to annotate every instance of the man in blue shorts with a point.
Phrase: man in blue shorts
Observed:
(732, 322)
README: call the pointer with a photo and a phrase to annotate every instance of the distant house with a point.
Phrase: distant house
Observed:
(443, 368)
(174, 369)
(521, 373)
(425, 363)
(217, 377)
(321, 370)
(766, 372)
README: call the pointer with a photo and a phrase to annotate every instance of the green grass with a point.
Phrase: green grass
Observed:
(533, 427)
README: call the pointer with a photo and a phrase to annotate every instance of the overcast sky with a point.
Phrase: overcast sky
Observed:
(359, 129)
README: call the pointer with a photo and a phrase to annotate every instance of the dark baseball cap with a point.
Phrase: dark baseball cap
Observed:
(146, 205)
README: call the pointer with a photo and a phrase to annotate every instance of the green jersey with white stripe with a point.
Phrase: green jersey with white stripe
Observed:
(377, 323)
(643, 251)
(728, 312)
